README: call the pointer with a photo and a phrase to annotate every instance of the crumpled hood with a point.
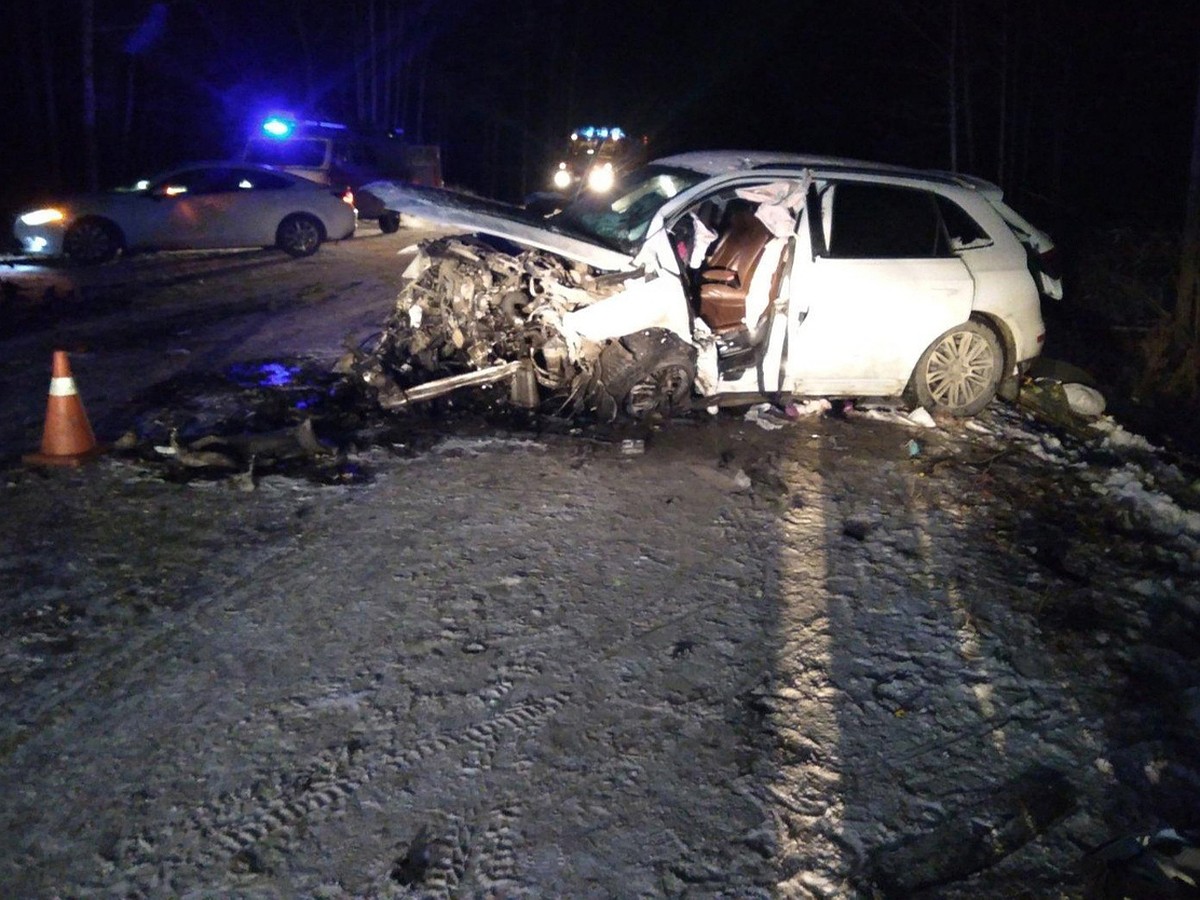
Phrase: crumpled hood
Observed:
(483, 216)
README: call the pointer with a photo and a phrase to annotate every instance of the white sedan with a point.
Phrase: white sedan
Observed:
(199, 206)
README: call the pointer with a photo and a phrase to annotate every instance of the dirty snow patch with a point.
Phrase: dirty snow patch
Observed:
(919, 417)
(1117, 438)
(1158, 510)
(474, 446)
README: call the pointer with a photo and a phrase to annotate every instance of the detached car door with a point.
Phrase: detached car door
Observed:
(878, 285)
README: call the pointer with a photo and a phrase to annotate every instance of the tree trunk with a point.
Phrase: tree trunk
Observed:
(1173, 348)
(952, 84)
(28, 69)
(388, 57)
(127, 118)
(968, 113)
(419, 123)
(48, 75)
(1187, 289)
(373, 62)
(90, 149)
(1002, 136)
(306, 54)
(360, 77)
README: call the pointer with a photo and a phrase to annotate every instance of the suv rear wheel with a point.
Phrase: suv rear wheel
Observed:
(960, 372)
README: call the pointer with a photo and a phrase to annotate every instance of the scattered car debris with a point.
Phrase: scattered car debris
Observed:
(1084, 400)
(766, 417)
(1164, 863)
(1069, 406)
(251, 421)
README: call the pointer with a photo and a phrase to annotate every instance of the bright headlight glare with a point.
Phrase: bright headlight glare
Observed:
(42, 217)
(600, 179)
(562, 179)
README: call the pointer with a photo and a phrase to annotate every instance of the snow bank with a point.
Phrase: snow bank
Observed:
(1117, 438)
(1160, 512)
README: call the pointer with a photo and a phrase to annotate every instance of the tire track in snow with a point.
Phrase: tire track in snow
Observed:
(229, 833)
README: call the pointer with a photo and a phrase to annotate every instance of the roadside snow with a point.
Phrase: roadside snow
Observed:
(1158, 510)
(1118, 438)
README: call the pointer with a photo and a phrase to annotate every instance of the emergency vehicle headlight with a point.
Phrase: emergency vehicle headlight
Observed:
(601, 178)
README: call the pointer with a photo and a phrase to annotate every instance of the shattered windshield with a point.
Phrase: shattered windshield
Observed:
(619, 220)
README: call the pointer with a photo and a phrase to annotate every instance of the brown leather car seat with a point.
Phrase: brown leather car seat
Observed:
(726, 275)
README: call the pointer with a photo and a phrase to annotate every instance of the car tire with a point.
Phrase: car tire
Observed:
(389, 223)
(960, 372)
(299, 235)
(643, 375)
(92, 240)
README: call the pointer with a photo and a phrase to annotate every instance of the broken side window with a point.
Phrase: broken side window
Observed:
(964, 232)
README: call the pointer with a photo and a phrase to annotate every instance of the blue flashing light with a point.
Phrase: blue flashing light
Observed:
(604, 133)
(277, 128)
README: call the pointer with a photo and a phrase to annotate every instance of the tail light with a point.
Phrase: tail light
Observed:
(347, 196)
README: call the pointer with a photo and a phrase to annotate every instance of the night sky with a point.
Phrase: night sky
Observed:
(1080, 110)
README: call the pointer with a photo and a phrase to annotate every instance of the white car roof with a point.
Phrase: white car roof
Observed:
(718, 162)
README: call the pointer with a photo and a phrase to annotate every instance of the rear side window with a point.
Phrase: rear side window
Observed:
(197, 182)
(253, 179)
(873, 221)
(963, 231)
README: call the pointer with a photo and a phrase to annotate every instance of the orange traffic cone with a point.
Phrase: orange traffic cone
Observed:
(67, 439)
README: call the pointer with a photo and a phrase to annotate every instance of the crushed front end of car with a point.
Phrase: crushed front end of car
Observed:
(470, 314)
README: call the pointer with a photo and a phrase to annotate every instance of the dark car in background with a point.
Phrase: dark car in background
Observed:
(334, 154)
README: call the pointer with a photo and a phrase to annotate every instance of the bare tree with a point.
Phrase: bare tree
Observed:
(49, 96)
(1173, 348)
(952, 85)
(91, 151)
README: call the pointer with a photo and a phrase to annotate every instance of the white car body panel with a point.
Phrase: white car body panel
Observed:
(653, 302)
(440, 207)
(869, 320)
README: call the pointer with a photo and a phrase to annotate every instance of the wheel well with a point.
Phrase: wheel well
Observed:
(1003, 334)
(306, 215)
(109, 225)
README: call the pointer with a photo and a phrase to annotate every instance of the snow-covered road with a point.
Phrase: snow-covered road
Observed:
(797, 662)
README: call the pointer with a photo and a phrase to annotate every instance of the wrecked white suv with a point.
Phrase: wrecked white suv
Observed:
(713, 279)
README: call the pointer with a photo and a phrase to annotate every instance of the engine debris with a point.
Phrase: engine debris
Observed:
(473, 315)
